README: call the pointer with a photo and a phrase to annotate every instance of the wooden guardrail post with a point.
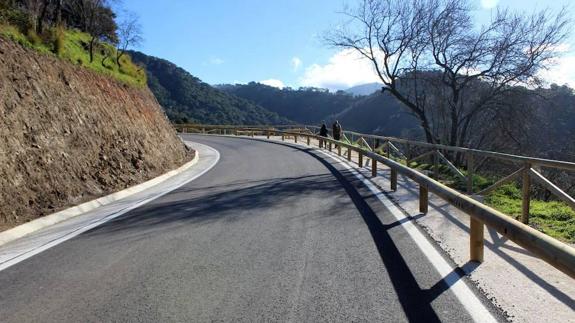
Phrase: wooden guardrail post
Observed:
(423, 199)
(526, 196)
(308, 140)
(393, 180)
(435, 166)
(470, 167)
(268, 134)
(360, 159)
(295, 138)
(252, 133)
(348, 154)
(283, 137)
(476, 229)
(373, 167)
(329, 146)
(339, 150)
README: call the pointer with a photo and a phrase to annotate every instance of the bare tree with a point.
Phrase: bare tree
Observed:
(433, 58)
(129, 34)
(96, 18)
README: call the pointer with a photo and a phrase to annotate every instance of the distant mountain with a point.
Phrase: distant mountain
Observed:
(305, 105)
(379, 113)
(186, 99)
(365, 89)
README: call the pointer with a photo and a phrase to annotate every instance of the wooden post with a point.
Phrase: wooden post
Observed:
(360, 160)
(329, 146)
(349, 154)
(283, 137)
(526, 199)
(435, 166)
(476, 228)
(393, 179)
(295, 138)
(423, 199)
(470, 173)
(268, 134)
(373, 167)
(387, 149)
(308, 140)
(252, 133)
(338, 150)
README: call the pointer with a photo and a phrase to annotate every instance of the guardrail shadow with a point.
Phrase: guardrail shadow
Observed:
(496, 247)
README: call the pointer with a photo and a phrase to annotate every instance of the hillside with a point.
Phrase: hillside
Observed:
(365, 89)
(69, 135)
(379, 114)
(186, 99)
(305, 105)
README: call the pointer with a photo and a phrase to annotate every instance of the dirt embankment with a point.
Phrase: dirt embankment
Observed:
(68, 135)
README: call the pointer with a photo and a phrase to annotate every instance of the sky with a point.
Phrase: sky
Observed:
(279, 42)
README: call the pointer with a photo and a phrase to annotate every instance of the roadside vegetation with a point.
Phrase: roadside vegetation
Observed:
(551, 217)
(99, 45)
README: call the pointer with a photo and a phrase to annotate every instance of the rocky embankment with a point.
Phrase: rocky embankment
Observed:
(69, 135)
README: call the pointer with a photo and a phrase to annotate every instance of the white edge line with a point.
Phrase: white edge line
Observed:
(77, 232)
(466, 297)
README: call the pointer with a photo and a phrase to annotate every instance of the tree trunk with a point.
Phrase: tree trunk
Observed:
(41, 17)
(91, 49)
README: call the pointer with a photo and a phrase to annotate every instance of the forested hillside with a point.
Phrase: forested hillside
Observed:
(305, 105)
(186, 99)
(377, 113)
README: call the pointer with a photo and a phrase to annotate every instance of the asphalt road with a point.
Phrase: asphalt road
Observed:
(271, 233)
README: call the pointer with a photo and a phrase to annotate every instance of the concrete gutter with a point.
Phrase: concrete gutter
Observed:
(35, 225)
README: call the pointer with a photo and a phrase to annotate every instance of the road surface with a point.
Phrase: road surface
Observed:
(271, 233)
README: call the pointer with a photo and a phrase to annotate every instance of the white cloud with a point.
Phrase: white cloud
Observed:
(345, 69)
(561, 71)
(216, 61)
(273, 82)
(489, 4)
(295, 63)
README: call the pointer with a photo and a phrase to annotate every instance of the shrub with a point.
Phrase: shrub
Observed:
(33, 37)
(59, 40)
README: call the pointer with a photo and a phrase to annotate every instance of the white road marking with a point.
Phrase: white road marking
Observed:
(11, 258)
(468, 299)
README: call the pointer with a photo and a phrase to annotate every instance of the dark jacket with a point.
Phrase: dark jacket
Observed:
(323, 131)
(336, 131)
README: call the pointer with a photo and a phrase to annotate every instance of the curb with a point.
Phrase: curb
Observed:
(48, 220)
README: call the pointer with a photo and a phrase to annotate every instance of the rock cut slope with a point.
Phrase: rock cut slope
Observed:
(68, 135)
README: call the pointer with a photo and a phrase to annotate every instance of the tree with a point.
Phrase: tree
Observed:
(129, 34)
(96, 18)
(432, 57)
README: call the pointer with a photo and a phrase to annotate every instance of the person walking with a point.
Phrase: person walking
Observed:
(337, 130)
(322, 133)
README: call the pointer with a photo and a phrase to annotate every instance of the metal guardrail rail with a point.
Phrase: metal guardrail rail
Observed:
(554, 252)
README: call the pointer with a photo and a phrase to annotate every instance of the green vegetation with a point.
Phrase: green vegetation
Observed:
(553, 218)
(377, 113)
(94, 38)
(186, 99)
(71, 46)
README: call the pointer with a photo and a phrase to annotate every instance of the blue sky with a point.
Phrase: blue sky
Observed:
(276, 41)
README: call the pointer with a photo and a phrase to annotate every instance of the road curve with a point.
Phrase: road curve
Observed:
(272, 233)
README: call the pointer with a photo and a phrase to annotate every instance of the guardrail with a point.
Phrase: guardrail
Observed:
(438, 154)
(554, 252)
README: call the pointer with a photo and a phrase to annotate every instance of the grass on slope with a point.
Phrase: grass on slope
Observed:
(74, 48)
(553, 218)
